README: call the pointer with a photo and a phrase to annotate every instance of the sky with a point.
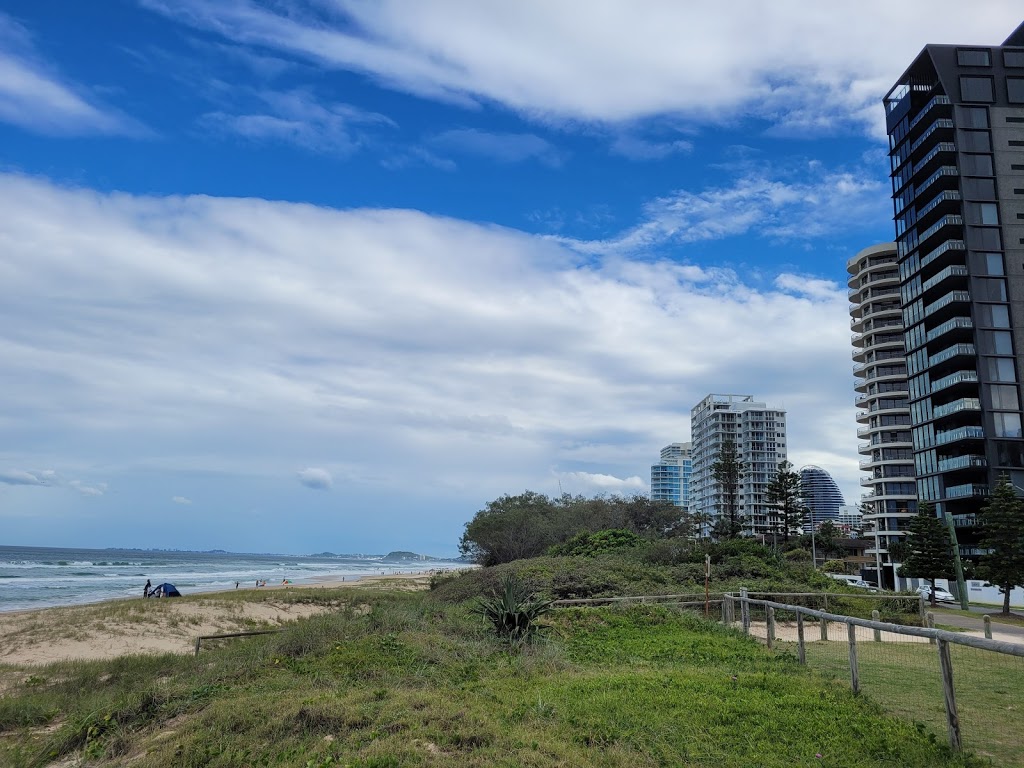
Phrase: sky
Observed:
(307, 275)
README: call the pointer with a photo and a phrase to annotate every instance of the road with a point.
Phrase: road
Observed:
(973, 620)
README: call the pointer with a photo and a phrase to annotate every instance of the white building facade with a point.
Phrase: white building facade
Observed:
(759, 434)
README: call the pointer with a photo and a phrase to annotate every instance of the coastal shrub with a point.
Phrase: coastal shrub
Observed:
(590, 544)
(512, 610)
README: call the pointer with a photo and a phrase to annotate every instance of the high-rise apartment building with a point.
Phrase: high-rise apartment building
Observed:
(759, 434)
(670, 477)
(880, 371)
(820, 494)
(956, 134)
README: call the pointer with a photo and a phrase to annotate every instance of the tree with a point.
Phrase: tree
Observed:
(828, 536)
(728, 472)
(784, 497)
(1002, 533)
(509, 528)
(927, 551)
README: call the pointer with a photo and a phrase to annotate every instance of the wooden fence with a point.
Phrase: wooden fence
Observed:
(939, 637)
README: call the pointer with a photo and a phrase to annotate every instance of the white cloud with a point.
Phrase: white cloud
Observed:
(806, 67)
(314, 477)
(588, 483)
(502, 147)
(819, 203)
(22, 477)
(456, 360)
(181, 500)
(34, 97)
(88, 490)
(636, 148)
(295, 117)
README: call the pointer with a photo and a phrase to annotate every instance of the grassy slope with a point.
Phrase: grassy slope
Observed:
(420, 682)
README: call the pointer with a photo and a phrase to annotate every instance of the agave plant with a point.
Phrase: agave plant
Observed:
(513, 610)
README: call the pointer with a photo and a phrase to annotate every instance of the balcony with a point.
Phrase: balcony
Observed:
(936, 101)
(957, 406)
(967, 490)
(865, 431)
(957, 350)
(953, 324)
(953, 297)
(949, 220)
(946, 200)
(941, 124)
(961, 433)
(954, 270)
(965, 521)
(960, 377)
(946, 247)
(969, 461)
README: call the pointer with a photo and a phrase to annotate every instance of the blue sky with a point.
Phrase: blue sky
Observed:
(333, 274)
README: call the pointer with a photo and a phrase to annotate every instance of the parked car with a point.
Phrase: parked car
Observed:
(853, 581)
(941, 595)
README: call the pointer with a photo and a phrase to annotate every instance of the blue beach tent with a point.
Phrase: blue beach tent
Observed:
(164, 590)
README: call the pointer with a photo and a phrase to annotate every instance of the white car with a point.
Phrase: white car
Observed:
(941, 595)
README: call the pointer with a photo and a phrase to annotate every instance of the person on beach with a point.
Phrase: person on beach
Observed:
(236, 585)
(145, 589)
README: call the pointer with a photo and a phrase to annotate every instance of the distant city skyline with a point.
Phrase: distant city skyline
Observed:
(280, 273)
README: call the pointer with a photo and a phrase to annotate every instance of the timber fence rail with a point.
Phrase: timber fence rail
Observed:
(952, 681)
(250, 633)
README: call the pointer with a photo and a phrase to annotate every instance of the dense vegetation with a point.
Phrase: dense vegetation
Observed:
(516, 527)
(395, 679)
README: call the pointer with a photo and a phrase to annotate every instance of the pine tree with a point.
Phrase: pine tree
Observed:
(785, 500)
(929, 552)
(1002, 532)
(728, 471)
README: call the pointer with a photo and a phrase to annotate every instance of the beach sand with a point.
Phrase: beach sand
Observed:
(118, 627)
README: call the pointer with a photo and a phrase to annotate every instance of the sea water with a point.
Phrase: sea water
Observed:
(38, 577)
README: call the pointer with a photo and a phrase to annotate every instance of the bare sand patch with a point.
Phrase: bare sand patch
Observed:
(120, 627)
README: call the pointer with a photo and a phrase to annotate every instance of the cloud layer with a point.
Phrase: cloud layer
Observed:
(806, 68)
(34, 97)
(435, 357)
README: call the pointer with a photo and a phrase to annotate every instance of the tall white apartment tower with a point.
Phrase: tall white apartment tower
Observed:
(759, 434)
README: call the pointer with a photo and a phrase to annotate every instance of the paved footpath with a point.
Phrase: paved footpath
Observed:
(974, 621)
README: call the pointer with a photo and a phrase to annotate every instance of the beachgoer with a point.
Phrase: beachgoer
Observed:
(236, 585)
(145, 589)
(257, 582)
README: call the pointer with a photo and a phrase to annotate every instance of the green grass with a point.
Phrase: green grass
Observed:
(904, 679)
(414, 681)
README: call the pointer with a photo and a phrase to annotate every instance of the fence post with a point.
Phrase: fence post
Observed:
(876, 616)
(851, 634)
(771, 626)
(744, 610)
(920, 609)
(823, 623)
(952, 718)
(987, 621)
(801, 655)
(725, 611)
(826, 603)
(929, 621)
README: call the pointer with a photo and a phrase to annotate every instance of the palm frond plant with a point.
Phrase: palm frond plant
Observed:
(513, 610)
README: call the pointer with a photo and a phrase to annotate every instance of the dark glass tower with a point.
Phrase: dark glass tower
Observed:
(956, 136)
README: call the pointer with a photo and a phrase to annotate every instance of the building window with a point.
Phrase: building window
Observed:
(1007, 424)
(977, 88)
(1015, 90)
(986, 238)
(987, 263)
(994, 316)
(1013, 58)
(973, 117)
(983, 213)
(1004, 396)
(994, 342)
(977, 165)
(973, 57)
(990, 289)
(1000, 369)
(975, 141)
(979, 189)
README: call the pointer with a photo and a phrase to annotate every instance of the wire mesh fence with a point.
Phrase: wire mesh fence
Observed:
(972, 694)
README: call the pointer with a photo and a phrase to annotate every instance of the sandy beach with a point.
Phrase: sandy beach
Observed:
(118, 627)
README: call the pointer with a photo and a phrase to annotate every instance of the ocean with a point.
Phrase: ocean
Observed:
(39, 577)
